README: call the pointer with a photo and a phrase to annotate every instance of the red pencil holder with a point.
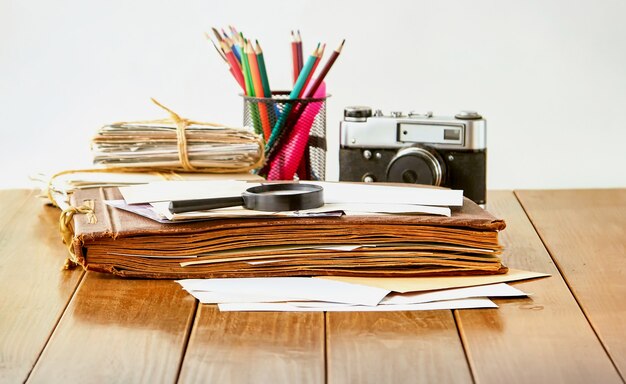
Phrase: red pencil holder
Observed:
(298, 148)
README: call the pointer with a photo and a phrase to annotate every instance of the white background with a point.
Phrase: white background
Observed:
(549, 76)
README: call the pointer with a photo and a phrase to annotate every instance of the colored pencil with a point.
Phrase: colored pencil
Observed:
(217, 34)
(267, 91)
(240, 39)
(255, 75)
(229, 43)
(294, 115)
(221, 53)
(297, 88)
(299, 47)
(258, 89)
(233, 31)
(324, 71)
(235, 66)
(234, 47)
(245, 68)
(319, 58)
(294, 57)
(254, 108)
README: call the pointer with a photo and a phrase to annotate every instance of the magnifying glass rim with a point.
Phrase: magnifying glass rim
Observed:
(309, 196)
(303, 188)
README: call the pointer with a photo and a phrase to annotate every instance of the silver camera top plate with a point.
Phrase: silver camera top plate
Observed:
(465, 131)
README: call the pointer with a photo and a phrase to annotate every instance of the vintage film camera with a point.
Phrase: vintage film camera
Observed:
(415, 148)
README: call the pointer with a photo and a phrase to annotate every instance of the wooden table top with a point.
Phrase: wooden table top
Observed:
(72, 326)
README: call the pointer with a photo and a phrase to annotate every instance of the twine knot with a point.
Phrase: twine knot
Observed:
(181, 125)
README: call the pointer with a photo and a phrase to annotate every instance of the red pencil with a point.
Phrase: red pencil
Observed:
(299, 46)
(235, 67)
(294, 57)
(324, 71)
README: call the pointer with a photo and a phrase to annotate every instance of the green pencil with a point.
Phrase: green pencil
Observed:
(247, 75)
(267, 90)
(254, 108)
(266, 84)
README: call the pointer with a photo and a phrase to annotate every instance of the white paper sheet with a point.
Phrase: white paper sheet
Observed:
(334, 193)
(350, 193)
(290, 307)
(291, 288)
(491, 290)
(183, 190)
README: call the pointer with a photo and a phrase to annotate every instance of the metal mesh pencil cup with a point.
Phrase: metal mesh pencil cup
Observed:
(295, 142)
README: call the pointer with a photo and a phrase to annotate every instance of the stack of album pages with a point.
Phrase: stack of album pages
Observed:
(425, 232)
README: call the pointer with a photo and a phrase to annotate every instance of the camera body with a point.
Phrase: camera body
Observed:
(415, 148)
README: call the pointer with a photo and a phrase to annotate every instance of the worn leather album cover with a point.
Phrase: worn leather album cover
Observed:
(126, 244)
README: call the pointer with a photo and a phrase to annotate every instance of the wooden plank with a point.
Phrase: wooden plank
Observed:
(585, 232)
(34, 289)
(119, 331)
(255, 347)
(542, 339)
(395, 347)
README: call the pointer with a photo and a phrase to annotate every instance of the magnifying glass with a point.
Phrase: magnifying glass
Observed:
(267, 197)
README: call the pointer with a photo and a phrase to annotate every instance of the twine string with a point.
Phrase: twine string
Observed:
(183, 155)
(181, 138)
(66, 227)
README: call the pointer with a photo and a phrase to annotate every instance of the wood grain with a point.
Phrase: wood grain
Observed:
(119, 331)
(542, 339)
(255, 347)
(395, 347)
(34, 289)
(585, 232)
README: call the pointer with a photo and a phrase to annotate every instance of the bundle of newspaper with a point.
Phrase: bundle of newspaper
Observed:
(173, 148)
(157, 144)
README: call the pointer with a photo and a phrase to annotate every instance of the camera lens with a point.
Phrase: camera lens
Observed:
(409, 176)
(416, 165)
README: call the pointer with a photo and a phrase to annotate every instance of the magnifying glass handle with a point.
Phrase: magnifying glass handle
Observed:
(204, 204)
